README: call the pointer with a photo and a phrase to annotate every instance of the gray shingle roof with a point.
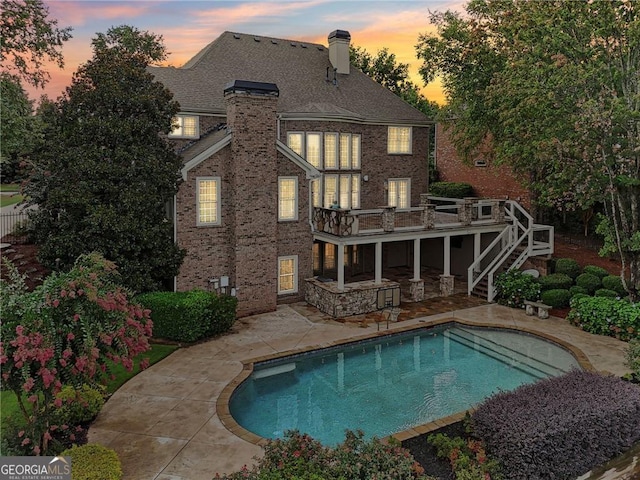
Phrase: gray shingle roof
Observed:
(299, 69)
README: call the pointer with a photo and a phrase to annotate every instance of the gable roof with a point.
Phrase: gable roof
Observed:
(302, 71)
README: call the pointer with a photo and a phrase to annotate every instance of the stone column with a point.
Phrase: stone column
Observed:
(416, 290)
(446, 285)
(497, 211)
(465, 212)
(388, 218)
(429, 216)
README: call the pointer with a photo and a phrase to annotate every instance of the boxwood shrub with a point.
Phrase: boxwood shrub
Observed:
(79, 405)
(189, 316)
(554, 281)
(560, 427)
(93, 462)
(577, 296)
(604, 292)
(556, 298)
(614, 282)
(588, 281)
(568, 266)
(606, 316)
(595, 270)
(451, 189)
(575, 289)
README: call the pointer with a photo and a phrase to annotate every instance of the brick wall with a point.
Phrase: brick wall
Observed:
(489, 182)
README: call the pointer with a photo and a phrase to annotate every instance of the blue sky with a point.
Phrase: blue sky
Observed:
(187, 26)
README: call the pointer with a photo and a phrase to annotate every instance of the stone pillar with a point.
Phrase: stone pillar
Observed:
(424, 199)
(429, 216)
(446, 285)
(497, 211)
(388, 218)
(416, 290)
(465, 212)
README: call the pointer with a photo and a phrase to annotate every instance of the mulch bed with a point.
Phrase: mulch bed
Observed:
(425, 454)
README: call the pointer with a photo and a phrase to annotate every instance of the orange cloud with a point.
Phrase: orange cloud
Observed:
(77, 14)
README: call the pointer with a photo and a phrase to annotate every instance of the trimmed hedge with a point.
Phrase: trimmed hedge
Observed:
(451, 189)
(555, 281)
(606, 316)
(576, 289)
(93, 462)
(189, 316)
(614, 282)
(79, 405)
(595, 270)
(589, 282)
(568, 266)
(556, 298)
(604, 292)
(560, 427)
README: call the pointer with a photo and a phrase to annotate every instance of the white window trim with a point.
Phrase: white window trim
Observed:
(180, 119)
(295, 274)
(408, 180)
(410, 150)
(295, 200)
(218, 209)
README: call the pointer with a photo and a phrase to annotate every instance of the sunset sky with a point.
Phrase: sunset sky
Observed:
(188, 26)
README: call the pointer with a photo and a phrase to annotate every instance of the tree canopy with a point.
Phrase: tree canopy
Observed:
(29, 39)
(554, 86)
(16, 126)
(104, 176)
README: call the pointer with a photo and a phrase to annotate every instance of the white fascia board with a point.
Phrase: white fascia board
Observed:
(201, 157)
(311, 171)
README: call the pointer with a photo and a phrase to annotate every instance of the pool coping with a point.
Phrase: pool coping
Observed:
(224, 413)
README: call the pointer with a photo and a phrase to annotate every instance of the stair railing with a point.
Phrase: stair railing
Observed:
(512, 237)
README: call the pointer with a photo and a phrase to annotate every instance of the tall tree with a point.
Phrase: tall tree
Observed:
(29, 39)
(16, 126)
(104, 175)
(555, 87)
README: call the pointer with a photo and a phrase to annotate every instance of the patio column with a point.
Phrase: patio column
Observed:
(416, 259)
(476, 245)
(447, 255)
(378, 262)
(340, 267)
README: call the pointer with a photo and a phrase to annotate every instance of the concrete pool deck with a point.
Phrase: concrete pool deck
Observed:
(164, 425)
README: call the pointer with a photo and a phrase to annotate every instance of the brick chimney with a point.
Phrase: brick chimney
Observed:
(339, 50)
(251, 119)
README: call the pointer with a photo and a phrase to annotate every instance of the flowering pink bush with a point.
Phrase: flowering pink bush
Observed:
(63, 333)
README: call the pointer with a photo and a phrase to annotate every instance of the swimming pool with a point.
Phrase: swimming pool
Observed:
(390, 384)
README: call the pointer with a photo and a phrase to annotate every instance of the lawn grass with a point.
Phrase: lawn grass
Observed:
(9, 187)
(6, 200)
(9, 402)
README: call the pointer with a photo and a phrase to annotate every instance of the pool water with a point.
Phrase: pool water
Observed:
(383, 386)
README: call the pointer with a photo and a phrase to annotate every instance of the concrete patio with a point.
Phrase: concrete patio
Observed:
(164, 425)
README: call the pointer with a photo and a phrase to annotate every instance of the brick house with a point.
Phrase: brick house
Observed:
(304, 179)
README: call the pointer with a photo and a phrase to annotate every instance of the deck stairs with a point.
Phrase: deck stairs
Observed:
(520, 240)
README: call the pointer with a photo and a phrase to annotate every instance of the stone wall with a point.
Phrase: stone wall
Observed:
(355, 299)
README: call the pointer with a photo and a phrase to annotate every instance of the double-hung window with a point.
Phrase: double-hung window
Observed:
(314, 149)
(208, 201)
(287, 198)
(399, 140)
(185, 126)
(288, 274)
(343, 189)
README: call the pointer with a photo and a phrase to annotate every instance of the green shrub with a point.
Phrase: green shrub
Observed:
(93, 462)
(595, 270)
(514, 287)
(632, 357)
(589, 282)
(576, 289)
(568, 266)
(555, 281)
(467, 457)
(606, 316)
(556, 298)
(79, 405)
(451, 189)
(189, 316)
(614, 282)
(604, 292)
(578, 296)
(300, 457)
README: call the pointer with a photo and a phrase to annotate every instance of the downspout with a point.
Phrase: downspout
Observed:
(278, 126)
